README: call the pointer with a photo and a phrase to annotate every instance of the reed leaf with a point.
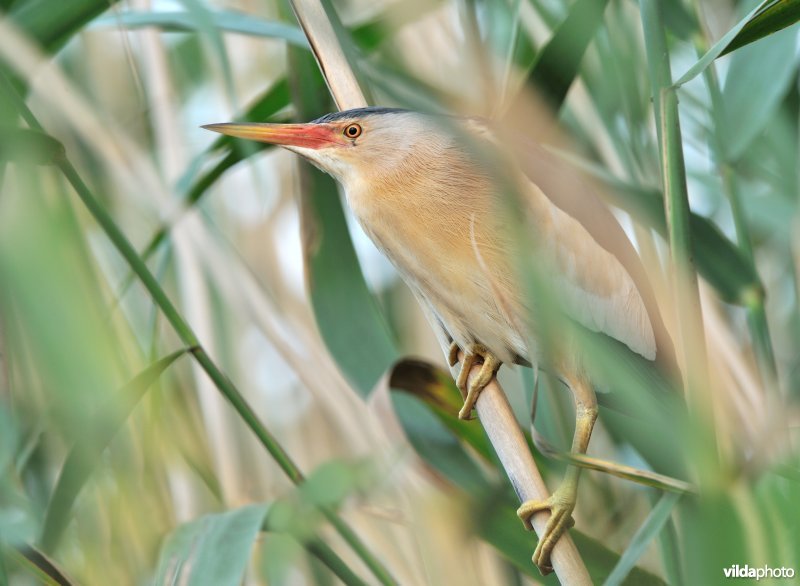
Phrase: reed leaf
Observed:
(223, 20)
(85, 455)
(642, 538)
(53, 24)
(769, 19)
(211, 551)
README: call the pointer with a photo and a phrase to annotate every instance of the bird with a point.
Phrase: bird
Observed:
(417, 185)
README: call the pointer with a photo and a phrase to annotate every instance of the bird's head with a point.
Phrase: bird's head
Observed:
(353, 144)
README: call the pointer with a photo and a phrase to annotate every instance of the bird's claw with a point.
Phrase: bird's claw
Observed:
(452, 356)
(471, 390)
(560, 504)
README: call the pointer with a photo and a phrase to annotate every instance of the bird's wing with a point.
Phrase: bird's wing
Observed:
(569, 193)
(593, 286)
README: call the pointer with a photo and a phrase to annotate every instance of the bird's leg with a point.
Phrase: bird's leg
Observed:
(562, 502)
(470, 390)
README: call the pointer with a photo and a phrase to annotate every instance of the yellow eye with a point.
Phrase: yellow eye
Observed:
(352, 130)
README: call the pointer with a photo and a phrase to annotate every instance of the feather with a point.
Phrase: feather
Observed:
(567, 192)
(416, 185)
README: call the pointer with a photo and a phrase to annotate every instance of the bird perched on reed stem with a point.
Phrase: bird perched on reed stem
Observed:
(415, 184)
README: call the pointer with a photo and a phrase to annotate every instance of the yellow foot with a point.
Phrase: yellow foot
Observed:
(560, 504)
(470, 390)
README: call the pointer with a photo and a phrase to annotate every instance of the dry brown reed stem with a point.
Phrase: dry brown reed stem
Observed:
(172, 158)
(332, 62)
(493, 409)
(501, 426)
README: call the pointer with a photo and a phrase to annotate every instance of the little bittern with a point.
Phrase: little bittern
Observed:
(415, 184)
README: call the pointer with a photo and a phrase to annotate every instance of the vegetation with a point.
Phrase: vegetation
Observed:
(205, 366)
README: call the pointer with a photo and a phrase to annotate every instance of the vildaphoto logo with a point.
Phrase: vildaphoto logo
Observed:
(745, 571)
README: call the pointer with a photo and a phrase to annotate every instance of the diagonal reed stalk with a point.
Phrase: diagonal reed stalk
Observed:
(493, 408)
(188, 337)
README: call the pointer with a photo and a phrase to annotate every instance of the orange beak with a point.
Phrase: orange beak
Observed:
(310, 136)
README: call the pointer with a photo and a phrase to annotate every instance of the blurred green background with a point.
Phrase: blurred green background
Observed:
(205, 372)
